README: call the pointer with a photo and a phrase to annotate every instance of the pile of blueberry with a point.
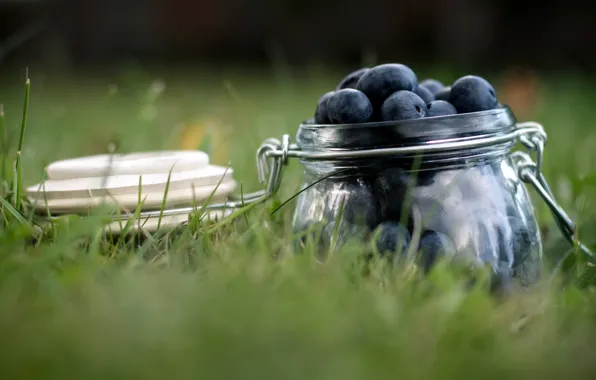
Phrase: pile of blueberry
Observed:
(472, 215)
(391, 92)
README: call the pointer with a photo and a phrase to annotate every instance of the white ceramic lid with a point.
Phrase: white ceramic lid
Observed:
(76, 185)
(151, 200)
(123, 164)
(128, 184)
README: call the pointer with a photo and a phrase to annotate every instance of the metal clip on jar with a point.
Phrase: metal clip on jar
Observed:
(456, 173)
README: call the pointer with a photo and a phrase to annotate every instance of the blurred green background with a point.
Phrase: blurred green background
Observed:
(223, 76)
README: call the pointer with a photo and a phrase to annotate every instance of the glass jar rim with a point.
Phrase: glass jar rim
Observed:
(375, 135)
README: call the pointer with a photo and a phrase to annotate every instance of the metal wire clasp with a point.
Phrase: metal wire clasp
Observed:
(269, 152)
(530, 171)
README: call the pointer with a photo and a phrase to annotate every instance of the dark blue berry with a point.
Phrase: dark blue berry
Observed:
(472, 94)
(383, 80)
(440, 108)
(391, 238)
(403, 105)
(390, 188)
(432, 85)
(443, 94)
(356, 200)
(351, 79)
(425, 94)
(517, 245)
(349, 106)
(321, 111)
(524, 246)
(433, 246)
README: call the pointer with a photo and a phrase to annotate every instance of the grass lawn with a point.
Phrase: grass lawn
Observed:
(213, 303)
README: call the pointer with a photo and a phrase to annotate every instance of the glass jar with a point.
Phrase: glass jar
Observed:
(471, 193)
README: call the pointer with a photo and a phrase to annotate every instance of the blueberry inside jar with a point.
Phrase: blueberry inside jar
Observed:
(464, 203)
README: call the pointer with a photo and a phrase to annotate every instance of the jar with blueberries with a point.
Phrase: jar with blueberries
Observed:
(423, 169)
(464, 201)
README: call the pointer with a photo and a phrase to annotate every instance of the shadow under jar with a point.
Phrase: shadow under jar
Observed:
(472, 195)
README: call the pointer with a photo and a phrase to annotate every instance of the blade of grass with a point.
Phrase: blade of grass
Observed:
(335, 234)
(195, 204)
(6, 221)
(165, 198)
(131, 220)
(3, 144)
(139, 195)
(14, 184)
(242, 202)
(210, 197)
(13, 211)
(409, 188)
(225, 221)
(195, 207)
(94, 246)
(136, 215)
(306, 188)
(19, 169)
(45, 199)
(203, 209)
(373, 241)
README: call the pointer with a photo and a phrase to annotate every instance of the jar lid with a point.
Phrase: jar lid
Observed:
(168, 186)
(74, 195)
(129, 184)
(322, 137)
(125, 164)
(152, 200)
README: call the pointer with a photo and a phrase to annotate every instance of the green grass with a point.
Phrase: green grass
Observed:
(215, 303)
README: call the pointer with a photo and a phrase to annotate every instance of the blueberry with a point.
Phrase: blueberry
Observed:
(351, 79)
(432, 85)
(425, 94)
(383, 80)
(440, 108)
(354, 197)
(434, 245)
(518, 245)
(349, 106)
(443, 94)
(390, 189)
(425, 177)
(391, 238)
(403, 105)
(472, 94)
(525, 249)
(321, 111)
